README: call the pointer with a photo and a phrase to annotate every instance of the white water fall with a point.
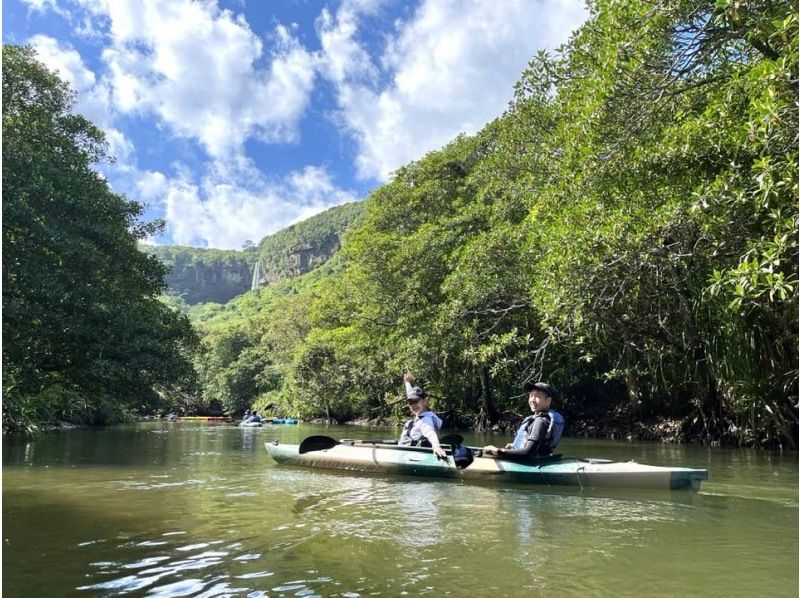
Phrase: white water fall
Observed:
(256, 276)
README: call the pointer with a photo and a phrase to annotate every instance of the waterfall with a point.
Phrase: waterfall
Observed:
(256, 276)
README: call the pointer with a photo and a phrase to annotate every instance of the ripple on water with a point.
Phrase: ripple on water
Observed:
(184, 587)
(247, 557)
(255, 575)
(145, 562)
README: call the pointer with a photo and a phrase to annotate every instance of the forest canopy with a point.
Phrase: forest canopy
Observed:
(626, 230)
(85, 337)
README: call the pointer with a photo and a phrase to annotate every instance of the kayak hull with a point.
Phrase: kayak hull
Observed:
(550, 472)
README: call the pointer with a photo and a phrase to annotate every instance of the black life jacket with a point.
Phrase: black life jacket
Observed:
(555, 429)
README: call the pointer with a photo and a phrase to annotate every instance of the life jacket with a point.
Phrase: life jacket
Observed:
(554, 430)
(432, 418)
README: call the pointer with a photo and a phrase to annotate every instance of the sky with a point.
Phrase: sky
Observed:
(234, 119)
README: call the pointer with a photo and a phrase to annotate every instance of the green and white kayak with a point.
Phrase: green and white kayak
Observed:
(375, 457)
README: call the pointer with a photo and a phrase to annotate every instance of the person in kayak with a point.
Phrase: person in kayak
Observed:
(255, 418)
(539, 433)
(422, 429)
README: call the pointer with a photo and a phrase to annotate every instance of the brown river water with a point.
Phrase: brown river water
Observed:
(191, 509)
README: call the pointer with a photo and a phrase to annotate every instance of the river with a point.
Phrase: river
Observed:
(189, 509)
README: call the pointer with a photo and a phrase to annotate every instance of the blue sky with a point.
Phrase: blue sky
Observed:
(234, 119)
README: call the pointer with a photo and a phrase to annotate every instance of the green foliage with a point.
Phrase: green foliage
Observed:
(197, 276)
(85, 337)
(308, 244)
(670, 249)
(626, 230)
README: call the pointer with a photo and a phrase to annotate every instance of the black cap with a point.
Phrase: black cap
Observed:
(543, 386)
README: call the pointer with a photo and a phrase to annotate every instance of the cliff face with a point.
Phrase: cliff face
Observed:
(298, 260)
(216, 275)
(305, 246)
(201, 282)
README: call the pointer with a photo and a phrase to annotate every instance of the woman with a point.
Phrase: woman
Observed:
(422, 429)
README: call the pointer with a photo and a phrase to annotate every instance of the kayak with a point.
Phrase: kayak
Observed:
(374, 457)
(251, 424)
(283, 420)
(204, 418)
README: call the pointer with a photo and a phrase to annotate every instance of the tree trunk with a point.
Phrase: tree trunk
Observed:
(634, 390)
(488, 415)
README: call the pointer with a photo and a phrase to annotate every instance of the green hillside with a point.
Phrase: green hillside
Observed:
(306, 245)
(215, 275)
(627, 231)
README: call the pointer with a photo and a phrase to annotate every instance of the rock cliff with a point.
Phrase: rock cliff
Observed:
(215, 275)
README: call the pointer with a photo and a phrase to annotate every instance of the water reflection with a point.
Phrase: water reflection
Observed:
(201, 510)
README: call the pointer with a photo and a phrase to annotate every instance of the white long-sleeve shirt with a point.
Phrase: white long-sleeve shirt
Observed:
(421, 426)
(424, 425)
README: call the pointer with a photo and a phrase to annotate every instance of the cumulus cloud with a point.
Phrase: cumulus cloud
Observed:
(197, 67)
(449, 70)
(218, 212)
(200, 72)
(42, 6)
(93, 94)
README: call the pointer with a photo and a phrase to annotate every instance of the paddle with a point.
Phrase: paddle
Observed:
(321, 443)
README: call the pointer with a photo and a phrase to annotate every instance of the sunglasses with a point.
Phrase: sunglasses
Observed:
(413, 401)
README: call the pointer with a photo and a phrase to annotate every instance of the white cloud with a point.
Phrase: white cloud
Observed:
(342, 59)
(93, 95)
(42, 6)
(218, 212)
(200, 72)
(196, 67)
(92, 100)
(450, 70)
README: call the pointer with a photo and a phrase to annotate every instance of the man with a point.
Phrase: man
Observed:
(421, 430)
(539, 433)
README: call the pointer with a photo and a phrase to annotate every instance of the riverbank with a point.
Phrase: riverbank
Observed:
(665, 431)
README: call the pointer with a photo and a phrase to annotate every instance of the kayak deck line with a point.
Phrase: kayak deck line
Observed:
(556, 471)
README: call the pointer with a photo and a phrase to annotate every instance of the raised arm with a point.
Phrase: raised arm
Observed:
(409, 380)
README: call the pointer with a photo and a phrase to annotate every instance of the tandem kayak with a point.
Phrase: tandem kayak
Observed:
(374, 457)
(283, 420)
(251, 424)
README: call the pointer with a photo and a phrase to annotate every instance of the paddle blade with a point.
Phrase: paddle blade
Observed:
(317, 443)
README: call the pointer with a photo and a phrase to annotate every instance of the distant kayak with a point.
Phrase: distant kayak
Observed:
(283, 420)
(204, 418)
(373, 457)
